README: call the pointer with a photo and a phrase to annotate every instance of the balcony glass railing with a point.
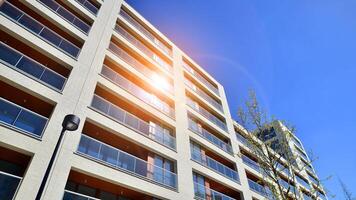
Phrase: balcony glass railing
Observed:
(116, 113)
(253, 164)
(67, 15)
(89, 6)
(202, 193)
(26, 65)
(242, 139)
(257, 188)
(283, 169)
(313, 180)
(145, 32)
(201, 78)
(306, 197)
(21, 118)
(203, 95)
(38, 29)
(206, 114)
(137, 91)
(148, 52)
(193, 126)
(69, 195)
(124, 161)
(286, 185)
(136, 64)
(215, 165)
(321, 196)
(303, 182)
(9, 185)
(296, 142)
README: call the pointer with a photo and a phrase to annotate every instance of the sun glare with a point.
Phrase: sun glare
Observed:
(159, 82)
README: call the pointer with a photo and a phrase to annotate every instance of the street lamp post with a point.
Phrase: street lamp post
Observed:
(70, 123)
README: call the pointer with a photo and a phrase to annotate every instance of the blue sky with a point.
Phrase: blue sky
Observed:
(299, 56)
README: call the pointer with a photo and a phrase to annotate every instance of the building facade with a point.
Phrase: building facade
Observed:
(154, 124)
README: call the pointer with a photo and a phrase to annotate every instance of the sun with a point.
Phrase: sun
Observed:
(159, 82)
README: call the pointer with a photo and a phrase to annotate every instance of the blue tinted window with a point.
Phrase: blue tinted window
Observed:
(31, 24)
(8, 55)
(8, 186)
(53, 79)
(8, 112)
(30, 67)
(10, 11)
(31, 122)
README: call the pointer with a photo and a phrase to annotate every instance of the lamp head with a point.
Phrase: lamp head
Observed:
(70, 122)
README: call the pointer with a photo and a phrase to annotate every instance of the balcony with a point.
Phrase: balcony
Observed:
(313, 180)
(69, 195)
(148, 52)
(81, 186)
(126, 162)
(145, 32)
(127, 119)
(21, 118)
(200, 78)
(194, 105)
(283, 169)
(214, 165)
(89, 6)
(38, 29)
(31, 68)
(260, 189)
(287, 185)
(193, 126)
(203, 95)
(251, 163)
(9, 185)
(133, 62)
(243, 140)
(296, 142)
(67, 15)
(137, 91)
(201, 192)
(303, 182)
(307, 197)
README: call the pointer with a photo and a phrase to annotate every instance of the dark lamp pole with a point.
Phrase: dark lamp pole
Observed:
(70, 123)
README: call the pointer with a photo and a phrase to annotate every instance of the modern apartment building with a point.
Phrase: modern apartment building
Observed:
(154, 124)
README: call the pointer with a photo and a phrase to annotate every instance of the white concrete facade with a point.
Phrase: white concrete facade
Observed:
(76, 97)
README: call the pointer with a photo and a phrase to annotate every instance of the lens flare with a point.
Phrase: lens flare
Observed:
(159, 82)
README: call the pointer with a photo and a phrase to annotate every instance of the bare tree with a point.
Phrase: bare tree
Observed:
(347, 193)
(278, 164)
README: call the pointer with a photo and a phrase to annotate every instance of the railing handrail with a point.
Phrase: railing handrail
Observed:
(171, 110)
(73, 15)
(143, 48)
(81, 195)
(23, 108)
(302, 182)
(248, 160)
(200, 77)
(133, 116)
(121, 151)
(145, 32)
(219, 163)
(11, 175)
(228, 146)
(86, 7)
(210, 116)
(43, 26)
(45, 67)
(203, 94)
(146, 71)
(261, 189)
(213, 191)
